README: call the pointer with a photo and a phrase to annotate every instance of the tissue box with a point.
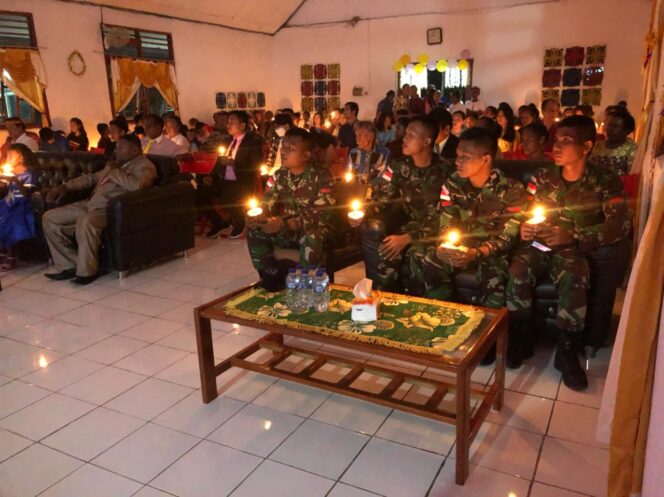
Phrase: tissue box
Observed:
(365, 310)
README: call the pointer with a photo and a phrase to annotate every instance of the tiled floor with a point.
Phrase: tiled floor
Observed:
(99, 397)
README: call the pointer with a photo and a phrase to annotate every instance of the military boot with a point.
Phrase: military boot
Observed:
(567, 362)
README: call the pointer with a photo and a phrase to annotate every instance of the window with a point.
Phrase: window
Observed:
(17, 31)
(449, 80)
(138, 44)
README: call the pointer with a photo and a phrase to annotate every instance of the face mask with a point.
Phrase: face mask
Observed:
(281, 132)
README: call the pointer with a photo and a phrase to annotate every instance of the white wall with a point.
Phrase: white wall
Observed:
(507, 45)
(208, 59)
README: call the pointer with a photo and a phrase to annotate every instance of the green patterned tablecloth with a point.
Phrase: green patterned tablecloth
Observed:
(407, 323)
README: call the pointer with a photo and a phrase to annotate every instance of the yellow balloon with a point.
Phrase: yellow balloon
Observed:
(404, 59)
(423, 59)
(397, 66)
(419, 68)
(441, 65)
(463, 64)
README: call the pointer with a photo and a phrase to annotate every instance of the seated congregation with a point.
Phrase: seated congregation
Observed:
(448, 192)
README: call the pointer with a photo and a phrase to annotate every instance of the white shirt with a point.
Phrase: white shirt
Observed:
(161, 146)
(457, 107)
(238, 140)
(28, 142)
(182, 141)
(475, 106)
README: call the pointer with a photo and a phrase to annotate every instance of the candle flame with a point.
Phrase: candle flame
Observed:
(453, 237)
(333, 114)
(264, 170)
(267, 425)
(328, 124)
(222, 150)
(43, 363)
(538, 211)
(348, 177)
(355, 205)
(253, 203)
(7, 169)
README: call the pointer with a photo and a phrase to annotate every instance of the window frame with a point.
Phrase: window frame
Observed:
(33, 46)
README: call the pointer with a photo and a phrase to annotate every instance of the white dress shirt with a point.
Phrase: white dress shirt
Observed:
(182, 141)
(457, 107)
(475, 106)
(161, 146)
(28, 142)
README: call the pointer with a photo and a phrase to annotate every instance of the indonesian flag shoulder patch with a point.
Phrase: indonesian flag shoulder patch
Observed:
(387, 174)
(532, 186)
(270, 183)
(445, 193)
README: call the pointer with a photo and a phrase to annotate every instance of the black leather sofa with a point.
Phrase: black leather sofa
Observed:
(143, 226)
(607, 269)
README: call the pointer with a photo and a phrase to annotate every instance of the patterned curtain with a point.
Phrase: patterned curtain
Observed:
(129, 74)
(19, 71)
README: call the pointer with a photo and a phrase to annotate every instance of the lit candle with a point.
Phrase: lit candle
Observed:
(264, 170)
(222, 151)
(349, 176)
(254, 209)
(356, 211)
(328, 124)
(7, 169)
(537, 215)
(452, 240)
(333, 114)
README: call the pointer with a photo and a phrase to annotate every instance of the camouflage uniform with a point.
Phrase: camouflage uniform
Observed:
(369, 165)
(488, 217)
(307, 198)
(595, 211)
(416, 192)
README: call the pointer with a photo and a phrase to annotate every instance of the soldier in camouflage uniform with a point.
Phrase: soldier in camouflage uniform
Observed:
(486, 208)
(585, 208)
(297, 206)
(412, 185)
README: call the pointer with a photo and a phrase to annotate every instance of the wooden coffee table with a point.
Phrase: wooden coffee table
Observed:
(458, 387)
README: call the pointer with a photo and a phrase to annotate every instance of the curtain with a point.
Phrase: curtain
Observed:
(20, 70)
(129, 74)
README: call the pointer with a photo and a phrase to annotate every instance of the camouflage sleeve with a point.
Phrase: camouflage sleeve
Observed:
(617, 222)
(515, 199)
(320, 216)
(449, 215)
(271, 196)
(383, 190)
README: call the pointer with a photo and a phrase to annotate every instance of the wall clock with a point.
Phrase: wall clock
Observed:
(434, 36)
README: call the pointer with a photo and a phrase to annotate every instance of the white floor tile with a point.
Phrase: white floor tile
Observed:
(592, 397)
(61, 337)
(184, 339)
(243, 385)
(16, 395)
(391, 469)
(12, 321)
(39, 283)
(320, 448)
(10, 444)
(505, 449)
(197, 473)
(192, 416)
(540, 382)
(45, 416)
(152, 330)
(150, 360)
(102, 318)
(277, 480)
(481, 482)
(92, 434)
(103, 385)
(573, 466)
(139, 303)
(523, 412)
(92, 293)
(575, 424)
(130, 281)
(231, 343)
(4, 379)
(62, 373)
(419, 432)
(34, 470)
(178, 291)
(256, 430)
(541, 490)
(184, 372)
(292, 398)
(111, 349)
(90, 481)
(149, 399)
(352, 414)
(183, 314)
(146, 453)
(18, 359)
(343, 490)
(151, 492)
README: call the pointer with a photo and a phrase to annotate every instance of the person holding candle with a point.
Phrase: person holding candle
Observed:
(585, 209)
(394, 241)
(368, 159)
(297, 207)
(485, 206)
(17, 221)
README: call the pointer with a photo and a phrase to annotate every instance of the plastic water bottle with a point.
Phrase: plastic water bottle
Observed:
(307, 290)
(291, 288)
(321, 294)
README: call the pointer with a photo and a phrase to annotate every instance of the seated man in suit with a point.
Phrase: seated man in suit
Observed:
(446, 142)
(73, 232)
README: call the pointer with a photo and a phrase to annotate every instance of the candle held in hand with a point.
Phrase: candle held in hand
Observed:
(452, 239)
(356, 210)
(349, 176)
(264, 170)
(7, 170)
(537, 214)
(222, 151)
(254, 209)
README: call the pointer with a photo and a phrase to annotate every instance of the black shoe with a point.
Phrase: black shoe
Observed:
(85, 280)
(238, 229)
(519, 344)
(67, 274)
(567, 362)
(489, 357)
(217, 231)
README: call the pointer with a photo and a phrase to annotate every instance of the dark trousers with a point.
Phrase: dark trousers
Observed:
(229, 195)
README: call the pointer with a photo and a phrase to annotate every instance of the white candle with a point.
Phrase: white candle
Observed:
(538, 216)
(349, 176)
(7, 169)
(356, 210)
(254, 209)
(264, 170)
(222, 151)
(452, 240)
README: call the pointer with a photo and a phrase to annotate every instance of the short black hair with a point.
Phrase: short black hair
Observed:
(353, 107)
(322, 139)
(46, 134)
(154, 117)
(492, 109)
(481, 138)
(134, 140)
(548, 101)
(390, 93)
(490, 125)
(102, 127)
(537, 128)
(628, 120)
(586, 131)
(120, 123)
(174, 118)
(402, 121)
(302, 134)
(463, 114)
(430, 125)
(282, 120)
(242, 116)
(442, 117)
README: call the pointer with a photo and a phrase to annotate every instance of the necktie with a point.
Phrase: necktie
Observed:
(146, 149)
(232, 148)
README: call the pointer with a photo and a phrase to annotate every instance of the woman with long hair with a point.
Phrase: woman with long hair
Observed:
(78, 138)
(505, 119)
(385, 131)
(17, 221)
(318, 121)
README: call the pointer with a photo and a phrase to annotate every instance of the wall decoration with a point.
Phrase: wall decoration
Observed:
(220, 100)
(260, 99)
(358, 91)
(76, 63)
(318, 83)
(333, 103)
(231, 100)
(239, 100)
(574, 75)
(434, 36)
(251, 100)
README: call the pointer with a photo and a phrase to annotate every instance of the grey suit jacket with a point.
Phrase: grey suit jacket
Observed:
(108, 183)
